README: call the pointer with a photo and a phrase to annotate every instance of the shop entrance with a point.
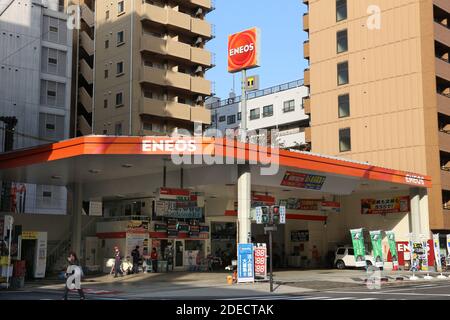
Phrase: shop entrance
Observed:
(179, 249)
(29, 255)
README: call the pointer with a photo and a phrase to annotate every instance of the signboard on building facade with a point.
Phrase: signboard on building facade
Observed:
(330, 206)
(303, 180)
(137, 226)
(243, 50)
(386, 205)
(300, 235)
(301, 204)
(245, 263)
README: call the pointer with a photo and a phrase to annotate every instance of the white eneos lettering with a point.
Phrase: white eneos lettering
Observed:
(242, 49)
(169, 146)
(415, 179)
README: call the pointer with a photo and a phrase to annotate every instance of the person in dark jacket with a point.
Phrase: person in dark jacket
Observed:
(117, 263)
(73, 275)
(136, 257)
(154, 257)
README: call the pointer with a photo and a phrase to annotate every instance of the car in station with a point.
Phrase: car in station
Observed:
(345, 258)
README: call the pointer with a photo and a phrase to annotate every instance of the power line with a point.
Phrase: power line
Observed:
(27, 135)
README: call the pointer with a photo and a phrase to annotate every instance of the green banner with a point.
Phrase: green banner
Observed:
(358, 247)
(393, 248)
(376, 237)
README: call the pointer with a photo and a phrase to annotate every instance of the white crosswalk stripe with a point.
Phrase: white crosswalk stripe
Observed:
(300, 298)
(315, 298)
(342, 298)
(367, 299)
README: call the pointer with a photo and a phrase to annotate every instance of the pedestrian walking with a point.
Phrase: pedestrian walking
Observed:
(73, 275)
(154, 257)
(136, 255)
(117, 263)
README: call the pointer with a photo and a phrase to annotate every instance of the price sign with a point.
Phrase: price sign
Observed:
(261, 260)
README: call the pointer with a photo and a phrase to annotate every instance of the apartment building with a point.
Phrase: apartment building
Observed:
(379, 79)
(35, 89)
(276, 108)
(149, 60)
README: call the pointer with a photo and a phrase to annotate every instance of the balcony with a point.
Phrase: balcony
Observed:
(443, 103)
(202, 3)
(306, 50)
(443, 69)
(85, 99)
(444, 141)
(445, 179)
(201, 114)
(83, 126)
(87, 15)
(167, 78)
(307, 105)
(201, 85)
(307, 78)
(308, 135)
(442, 34)
(165, 109)
(306, 22)
(86, 71)
(443, 4)
(201, 57)
(176, 19)
(87, 43)
(201, 27)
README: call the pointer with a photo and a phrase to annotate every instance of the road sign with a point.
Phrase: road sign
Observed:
(272, 228)
(245, 263)
(282, 215)
(258, 214)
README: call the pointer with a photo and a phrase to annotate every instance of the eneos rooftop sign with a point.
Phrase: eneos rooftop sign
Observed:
(243, 50)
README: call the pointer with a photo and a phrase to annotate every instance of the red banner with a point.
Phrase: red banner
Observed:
(260, 261)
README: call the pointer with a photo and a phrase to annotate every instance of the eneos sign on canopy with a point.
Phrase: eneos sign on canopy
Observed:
(243, 50)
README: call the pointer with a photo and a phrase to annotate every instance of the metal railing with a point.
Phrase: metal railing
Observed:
(257, 94)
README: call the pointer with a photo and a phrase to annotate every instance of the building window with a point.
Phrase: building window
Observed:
(51, 94)
(119, 99)
(120, 38)
(119, 68)
(118, 129)
(254, 114)
(341, 10)
(105, 132)
(231, 119)
(344, 140)
(53, 61)
(222, 118)
(106, 73)
(107, 15)
(344, 105)
(121, 7)
(289, 106)
(268, 111)
(342, 72)
(50, 126)
(239, 116)
(106, 44)
(105, 103)
(342, 41)
(53, 29)
(47, 194)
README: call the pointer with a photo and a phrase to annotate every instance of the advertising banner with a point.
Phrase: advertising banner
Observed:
(404, 252)
(330, 206)
(384, 206)
(178, 210)
(303, 181)
(424, 256)
(437, 252)
(358, 247)
(301, 204)
(245, 263)
(137, 226)
(376, 237)
(393, 249)
(243, 50)
(261, 260)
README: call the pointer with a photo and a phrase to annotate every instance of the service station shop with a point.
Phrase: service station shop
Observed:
(145, 198)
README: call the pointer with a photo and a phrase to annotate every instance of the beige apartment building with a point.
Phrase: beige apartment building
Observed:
(379, 80)
(142, 66)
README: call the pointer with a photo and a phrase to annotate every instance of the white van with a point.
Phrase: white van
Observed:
(345, 258)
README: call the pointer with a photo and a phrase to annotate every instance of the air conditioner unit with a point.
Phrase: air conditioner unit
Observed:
(199, 12)
(199, 41)
(199, 69)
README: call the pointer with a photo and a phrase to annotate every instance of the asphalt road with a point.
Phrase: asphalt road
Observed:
(411, 292)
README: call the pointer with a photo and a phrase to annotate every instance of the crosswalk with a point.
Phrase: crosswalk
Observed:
(300, 298)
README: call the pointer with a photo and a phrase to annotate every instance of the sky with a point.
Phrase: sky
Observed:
(282, 39)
